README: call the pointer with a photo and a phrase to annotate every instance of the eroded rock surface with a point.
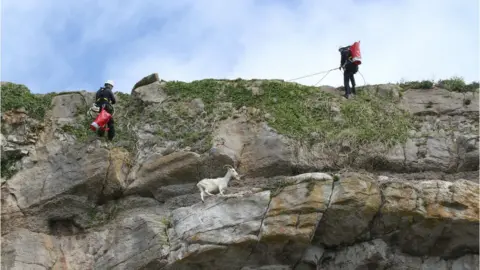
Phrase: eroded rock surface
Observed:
(81, 204)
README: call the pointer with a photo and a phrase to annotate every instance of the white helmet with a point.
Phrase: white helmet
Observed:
(110, 82)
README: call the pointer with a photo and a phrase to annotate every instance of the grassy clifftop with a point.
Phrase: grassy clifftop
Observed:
(297, 111)
(304, 112)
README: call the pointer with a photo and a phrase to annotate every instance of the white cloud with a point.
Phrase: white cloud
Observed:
(411, 39)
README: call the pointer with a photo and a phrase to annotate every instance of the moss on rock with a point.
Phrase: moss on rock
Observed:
(15, 96)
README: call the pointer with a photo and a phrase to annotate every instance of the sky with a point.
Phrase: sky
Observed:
(58, 45)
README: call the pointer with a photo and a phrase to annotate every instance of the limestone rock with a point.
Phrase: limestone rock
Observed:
(26, 250)
(83, 204)
(118, 169)
(152, 78)
(438, 101)
(197, 106)
(172, 169)
(14, 117)
(141, 238)
(152, 93)
(229, 228)
(389, 91)
(427, 217)
(368, 255)
(66, 107)
(354, 203)
(292, 218)
(377, 255)
(61, 174)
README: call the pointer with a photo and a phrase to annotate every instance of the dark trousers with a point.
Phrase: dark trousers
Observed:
(348, 76)
(110, 123)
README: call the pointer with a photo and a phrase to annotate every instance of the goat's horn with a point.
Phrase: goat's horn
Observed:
(228, 166)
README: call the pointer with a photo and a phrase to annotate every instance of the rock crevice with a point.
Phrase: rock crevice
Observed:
(303, 203)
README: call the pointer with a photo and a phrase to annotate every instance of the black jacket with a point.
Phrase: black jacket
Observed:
(104, 95)
(345, 60)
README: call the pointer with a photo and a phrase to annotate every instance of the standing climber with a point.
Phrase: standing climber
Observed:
(104, 98)
(350, 68)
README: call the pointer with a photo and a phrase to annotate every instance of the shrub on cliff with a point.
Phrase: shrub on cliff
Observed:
(15, 96)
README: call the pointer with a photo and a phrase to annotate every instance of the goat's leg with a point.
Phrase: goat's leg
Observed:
(206, 191)
(201, 193)
(221, 191)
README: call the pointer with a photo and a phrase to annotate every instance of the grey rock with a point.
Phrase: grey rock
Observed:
(152, 78)
(23, 249)
(443, 102)
(215, 225)
(366, 255)
(152, 93)
(157, 171)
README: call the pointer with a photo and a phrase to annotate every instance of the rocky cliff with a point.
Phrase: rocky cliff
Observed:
(404, 191)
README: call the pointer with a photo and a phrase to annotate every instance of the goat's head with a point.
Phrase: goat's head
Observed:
(233, 172)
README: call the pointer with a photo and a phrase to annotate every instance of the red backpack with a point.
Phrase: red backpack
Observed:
(355, 53)
(101, 120)
(352, 53)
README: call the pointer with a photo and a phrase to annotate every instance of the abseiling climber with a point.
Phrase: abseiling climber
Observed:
(104, 99)
(350, 60)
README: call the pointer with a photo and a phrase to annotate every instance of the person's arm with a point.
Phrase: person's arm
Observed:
(342, 59)
(96, 96)
(112, 96)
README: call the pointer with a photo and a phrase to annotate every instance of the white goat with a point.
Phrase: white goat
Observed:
(209, 185)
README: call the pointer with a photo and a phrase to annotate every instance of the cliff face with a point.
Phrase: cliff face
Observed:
(403, 194)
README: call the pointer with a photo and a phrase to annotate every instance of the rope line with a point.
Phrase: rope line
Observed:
(324, 76)
(310, 75)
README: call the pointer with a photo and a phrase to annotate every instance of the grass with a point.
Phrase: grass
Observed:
(299, 111)
(15, 96)
(417, 85)
(454, 84)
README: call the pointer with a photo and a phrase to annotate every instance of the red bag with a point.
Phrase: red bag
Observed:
(356, 55)
(101, 120)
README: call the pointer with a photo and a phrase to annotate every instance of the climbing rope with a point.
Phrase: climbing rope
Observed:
(310, 75)
(364, 82)
(326, 72)
(324, 76)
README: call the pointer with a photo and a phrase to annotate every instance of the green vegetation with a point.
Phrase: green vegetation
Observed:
(127, 115)
(417, 85)
(299, 111)
(457, 84)
(80, 129)
(454, 84)
(124, 135)
(8, 168)
(15, 96)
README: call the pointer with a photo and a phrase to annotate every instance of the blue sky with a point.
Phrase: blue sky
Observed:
(58, 45)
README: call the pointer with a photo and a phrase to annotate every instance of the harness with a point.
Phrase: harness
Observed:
(104, 99)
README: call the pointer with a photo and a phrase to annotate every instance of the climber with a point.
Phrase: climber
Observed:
(350, 67)
(104, 98)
